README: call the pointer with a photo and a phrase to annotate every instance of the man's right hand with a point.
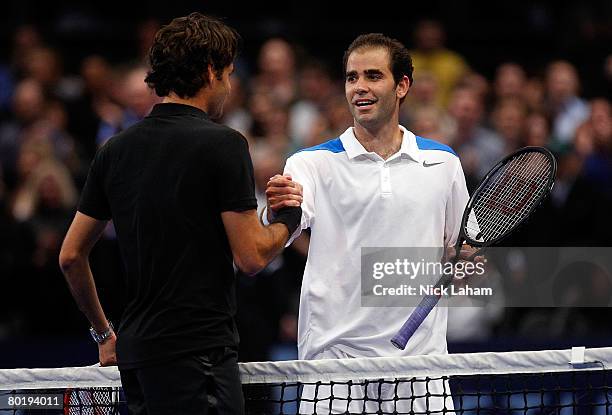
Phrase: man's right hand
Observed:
(282, 191)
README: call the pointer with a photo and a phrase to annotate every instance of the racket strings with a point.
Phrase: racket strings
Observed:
(498, 223)
(507, 203)
(497, 210)
(509, 196)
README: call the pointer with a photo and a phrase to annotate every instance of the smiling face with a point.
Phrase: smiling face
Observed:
(370, 89)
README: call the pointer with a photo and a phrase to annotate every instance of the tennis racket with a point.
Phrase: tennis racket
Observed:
(505, 198)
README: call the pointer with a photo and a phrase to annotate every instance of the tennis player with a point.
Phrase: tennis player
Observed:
(377, 185)
(180, 190)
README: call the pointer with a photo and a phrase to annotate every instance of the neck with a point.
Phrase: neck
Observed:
(199, 100)
(385, 140)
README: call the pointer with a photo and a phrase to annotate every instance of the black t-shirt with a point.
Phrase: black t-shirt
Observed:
(165, 182)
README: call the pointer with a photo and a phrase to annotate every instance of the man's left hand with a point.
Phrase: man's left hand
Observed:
(106, 350)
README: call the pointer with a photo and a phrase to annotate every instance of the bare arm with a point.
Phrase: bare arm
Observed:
(84, 232)
(253, 244)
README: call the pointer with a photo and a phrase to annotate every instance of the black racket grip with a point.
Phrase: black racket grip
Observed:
(417, 317)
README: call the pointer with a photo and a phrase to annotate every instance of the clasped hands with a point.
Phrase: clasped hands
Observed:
(282, 191)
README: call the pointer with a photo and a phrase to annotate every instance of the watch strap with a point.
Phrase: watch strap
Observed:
(101, 337)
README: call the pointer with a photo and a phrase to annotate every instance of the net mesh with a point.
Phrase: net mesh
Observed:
(541, 382)
(508, 196)
(92, 401)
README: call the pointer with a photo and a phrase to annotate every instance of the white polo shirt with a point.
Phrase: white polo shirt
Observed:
(353, 199)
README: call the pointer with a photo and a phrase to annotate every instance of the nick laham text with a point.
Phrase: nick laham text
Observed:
(422, 290)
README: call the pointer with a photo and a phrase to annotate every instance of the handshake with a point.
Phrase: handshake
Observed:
(283, 202)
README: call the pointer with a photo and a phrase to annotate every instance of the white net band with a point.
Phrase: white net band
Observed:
(339, 370)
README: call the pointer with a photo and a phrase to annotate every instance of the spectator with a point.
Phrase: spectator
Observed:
(533, 94)
(431, 122)
(52, 129)
(135, 95)
(537, 130)
(508, 119)
(593, 136)
(86, 112)
(270, 121)
(28, 106)
(316, 89)
(277, 71)
(509, 81)
(26, 39)
(598, 164)
(236, 114)
(430, 55)
(333, 120)
(421, 104)
(477, 83)
(46, 205)
(478, 147)
(276, 130)
(45, 65)
(583, 190)
(134, 101)
(424, 92)
(566, 109)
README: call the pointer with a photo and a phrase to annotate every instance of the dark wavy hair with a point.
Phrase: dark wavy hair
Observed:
(182, 51)
(401, 62)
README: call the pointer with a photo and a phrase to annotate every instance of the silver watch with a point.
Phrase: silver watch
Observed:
(101, 337)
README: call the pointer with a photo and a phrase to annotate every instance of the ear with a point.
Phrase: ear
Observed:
(402, 87)
(210, 74)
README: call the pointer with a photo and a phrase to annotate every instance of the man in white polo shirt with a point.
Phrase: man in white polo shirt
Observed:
(377, 185)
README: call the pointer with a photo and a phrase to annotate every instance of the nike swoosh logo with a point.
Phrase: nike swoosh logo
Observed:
(426, 164)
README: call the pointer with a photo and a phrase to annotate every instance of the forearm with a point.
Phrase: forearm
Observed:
(80, 281)
(273, 240)
(253, 244)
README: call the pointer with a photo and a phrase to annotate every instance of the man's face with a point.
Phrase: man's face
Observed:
(221, 89)
(370, 89)
(561, 81)
(465, 107)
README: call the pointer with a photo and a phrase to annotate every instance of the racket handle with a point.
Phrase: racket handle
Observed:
(419, 314)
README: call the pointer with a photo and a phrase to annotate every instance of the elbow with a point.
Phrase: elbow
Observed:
(250, 264)
(67, 259)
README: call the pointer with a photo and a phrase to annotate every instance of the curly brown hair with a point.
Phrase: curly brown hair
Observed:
(182, 51)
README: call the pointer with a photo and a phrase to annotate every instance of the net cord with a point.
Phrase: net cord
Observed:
(547, 361)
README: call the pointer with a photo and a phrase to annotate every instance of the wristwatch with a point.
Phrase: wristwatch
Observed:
(101, 337)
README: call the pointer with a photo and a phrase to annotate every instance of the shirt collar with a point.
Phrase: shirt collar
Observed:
(354, 148)
(170, 108)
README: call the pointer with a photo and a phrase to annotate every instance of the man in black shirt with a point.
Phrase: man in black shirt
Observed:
(180, 191)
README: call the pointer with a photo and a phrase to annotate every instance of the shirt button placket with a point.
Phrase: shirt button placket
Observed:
(385, 179)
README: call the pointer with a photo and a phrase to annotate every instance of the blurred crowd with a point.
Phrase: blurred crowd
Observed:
(52, 121)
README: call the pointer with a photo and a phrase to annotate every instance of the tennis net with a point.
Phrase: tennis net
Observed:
(540, 382)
